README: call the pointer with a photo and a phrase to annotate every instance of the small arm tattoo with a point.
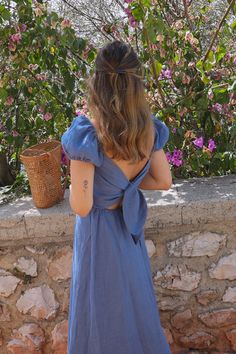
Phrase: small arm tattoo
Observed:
(85, 185)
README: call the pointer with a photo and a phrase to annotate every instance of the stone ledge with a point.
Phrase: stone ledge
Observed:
(193, 201)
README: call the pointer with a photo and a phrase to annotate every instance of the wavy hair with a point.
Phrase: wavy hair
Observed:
(117, 101)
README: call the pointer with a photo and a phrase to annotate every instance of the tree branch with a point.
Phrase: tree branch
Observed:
(232, 2)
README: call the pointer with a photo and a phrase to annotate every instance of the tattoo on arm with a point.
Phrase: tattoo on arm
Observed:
(85, 185)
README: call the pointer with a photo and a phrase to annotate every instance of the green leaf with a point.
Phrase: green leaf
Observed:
(137, 12)
(233, 25)
(199, 66)
(158, 67)
(146, 3)
(79, 44)
(205, 79)
(4, 13)
(3, 94)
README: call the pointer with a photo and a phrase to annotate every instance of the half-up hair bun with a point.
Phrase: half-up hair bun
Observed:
(118, 58)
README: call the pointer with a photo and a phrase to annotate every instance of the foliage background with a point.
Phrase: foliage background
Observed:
(188, 51)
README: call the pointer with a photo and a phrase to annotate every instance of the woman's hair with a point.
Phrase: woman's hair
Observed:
(117, 101)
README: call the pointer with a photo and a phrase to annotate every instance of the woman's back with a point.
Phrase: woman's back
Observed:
(112, 300)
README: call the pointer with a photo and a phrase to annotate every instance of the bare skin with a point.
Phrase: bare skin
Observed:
(82, 180)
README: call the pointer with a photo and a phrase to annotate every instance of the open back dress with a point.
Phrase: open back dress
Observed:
(112, 308)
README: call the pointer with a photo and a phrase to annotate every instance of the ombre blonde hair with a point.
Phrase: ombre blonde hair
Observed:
(116, 99)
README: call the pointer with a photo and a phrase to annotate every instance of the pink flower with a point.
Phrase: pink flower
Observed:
(186, 79)
(211, 144)
(168, 156)
(191, 64)
(183, 111)
(210, 95)
(9, 101)
(234, 61)
(11, 47)
(176, 158)
(65, 23)
(132, 21)
(198, 142)
(15, 37)
(217, 107)
(47, 116)
(165, 74)
(33, 66)
(23, 27)
(64, 158)
(128, 11)
(174, 130)
(15, 133)
(128, 1)
(227, 56)
(41, 109)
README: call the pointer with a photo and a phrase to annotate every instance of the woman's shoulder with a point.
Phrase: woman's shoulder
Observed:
(80, 141)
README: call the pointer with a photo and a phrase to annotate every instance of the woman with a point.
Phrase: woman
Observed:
(114, 154)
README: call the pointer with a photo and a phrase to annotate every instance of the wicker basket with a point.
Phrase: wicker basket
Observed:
(43, 166)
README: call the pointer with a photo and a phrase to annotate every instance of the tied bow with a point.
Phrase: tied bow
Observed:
(134, 208)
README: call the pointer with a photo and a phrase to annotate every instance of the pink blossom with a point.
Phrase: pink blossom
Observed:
(210, 95)
(23, 27)
(198, 142)
(15, 133)
(41, 109)
(174, 130)
(41, 77)
(47, 116)
(128, 11)
(64, 158)
(65, 23)
(234, 61)
(225, 107)
(11, 47)
(168, 156)
(186, 79)
(128, 1)
(9, 101)
(227, 56)
(165, 74)
(154, 46)
(15, 37)
(33, 66)
(183, 111)
(211, 144)
(176, 158)
(132, 21)
(217, 107)
(191, 64)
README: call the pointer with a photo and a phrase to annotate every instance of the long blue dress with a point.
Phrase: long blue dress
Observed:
(112, 308)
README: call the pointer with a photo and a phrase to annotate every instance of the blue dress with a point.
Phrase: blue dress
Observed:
(112, 308)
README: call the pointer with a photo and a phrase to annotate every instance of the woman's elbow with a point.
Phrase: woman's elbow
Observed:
(167, 184)
(82, 209)
(83, 212)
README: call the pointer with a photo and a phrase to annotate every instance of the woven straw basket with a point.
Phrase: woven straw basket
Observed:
(43, 166)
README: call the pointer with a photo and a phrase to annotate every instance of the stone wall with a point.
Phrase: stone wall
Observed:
(191, 240)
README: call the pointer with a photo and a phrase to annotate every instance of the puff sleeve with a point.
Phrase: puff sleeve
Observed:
(161, 133)
(80, 141)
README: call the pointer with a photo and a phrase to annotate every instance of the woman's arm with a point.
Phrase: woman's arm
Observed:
(159, 175)
(81, 188)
